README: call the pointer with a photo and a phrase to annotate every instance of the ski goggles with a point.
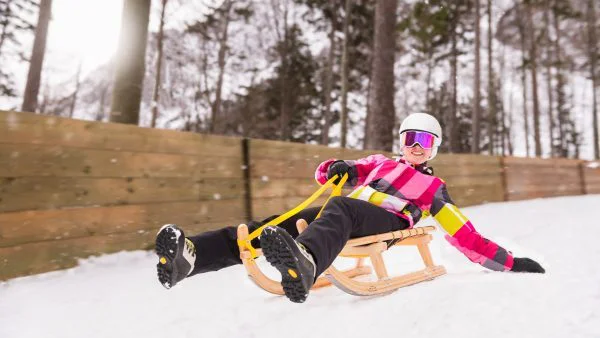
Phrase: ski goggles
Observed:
(412, 137)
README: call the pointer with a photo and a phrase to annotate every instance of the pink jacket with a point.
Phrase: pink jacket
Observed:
(401, 189)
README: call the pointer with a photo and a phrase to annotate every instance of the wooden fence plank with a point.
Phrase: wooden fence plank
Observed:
(41, 257)
(43, 160)
(265, 207)
(34, 226)
(283, 187)
(26, 128)
(38, 193)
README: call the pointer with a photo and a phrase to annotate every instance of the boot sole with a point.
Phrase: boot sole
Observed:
(166, 247)
(281, 256)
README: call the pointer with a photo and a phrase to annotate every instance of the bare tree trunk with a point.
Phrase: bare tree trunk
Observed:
(593, 50)
(285, 113)
(159, 56)
(524, 65)
(345, 73)
(76, 92)
(500, 86)
(477, 85)
(428, 81)
(221, 60)
(129, 70)
(100, 113)
(382, 113)
(366, 138)
(329, 80)
(533, 60)
(32, 88)
(491, 91)
(510, 125)
(560, 83)
(549, 60)
(451, 121)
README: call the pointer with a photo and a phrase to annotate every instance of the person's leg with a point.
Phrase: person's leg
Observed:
(344, 218)
(218, 249)
(302, 260)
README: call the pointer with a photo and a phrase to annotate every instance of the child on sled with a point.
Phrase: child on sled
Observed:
(389, 195)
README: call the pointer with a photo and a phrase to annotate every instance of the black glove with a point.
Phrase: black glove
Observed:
(339, 168)
(526, 265)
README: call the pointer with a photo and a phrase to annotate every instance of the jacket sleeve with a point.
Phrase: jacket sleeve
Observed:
(463, 236)
(359, 169)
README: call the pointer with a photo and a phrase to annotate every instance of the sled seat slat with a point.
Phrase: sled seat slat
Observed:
(359, 248)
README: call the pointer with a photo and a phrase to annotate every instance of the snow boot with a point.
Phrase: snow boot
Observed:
(292, 259)
(176, 255)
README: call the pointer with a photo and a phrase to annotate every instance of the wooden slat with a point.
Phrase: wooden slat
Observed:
(265, 207)
(446, 160)
(473, 196)
(297, 151)
(41, 257)
(38, 193)
(271, 168)
(43, 160)
(34, 226)
(283, 187)
(26, 128)
(472, 181)
(447, 172)
(557, 162)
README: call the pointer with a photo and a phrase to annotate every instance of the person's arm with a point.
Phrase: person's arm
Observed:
(357, 170)
(463, 236)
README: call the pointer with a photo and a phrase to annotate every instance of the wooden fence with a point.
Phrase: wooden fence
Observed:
(70, 189)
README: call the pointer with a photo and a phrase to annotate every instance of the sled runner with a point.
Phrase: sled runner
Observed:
(359, 248)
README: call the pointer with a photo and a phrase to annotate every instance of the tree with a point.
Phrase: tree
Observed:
(76, 91)
(430, 26)
(534, 86)
(159, 60)
(130, 58)
(32, 88)
(477, 83)
(491, 120)
(345, 71)
(380, 133)
(460, 25)
(331, 16)
(593, 59)
(549, 61)
(329, 76)
(14, 24)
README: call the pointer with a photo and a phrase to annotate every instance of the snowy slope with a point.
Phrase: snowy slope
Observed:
(118, 295)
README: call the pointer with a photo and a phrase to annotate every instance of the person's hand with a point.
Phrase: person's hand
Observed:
(526, 265)
(339, 168)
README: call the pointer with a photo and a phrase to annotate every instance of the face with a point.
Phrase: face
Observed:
(416, 155)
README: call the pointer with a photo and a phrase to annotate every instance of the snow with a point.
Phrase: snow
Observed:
(118, 295)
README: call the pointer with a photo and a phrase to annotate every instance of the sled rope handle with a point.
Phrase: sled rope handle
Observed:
(337, 191)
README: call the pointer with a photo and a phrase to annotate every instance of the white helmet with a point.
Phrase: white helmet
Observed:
(424, 122)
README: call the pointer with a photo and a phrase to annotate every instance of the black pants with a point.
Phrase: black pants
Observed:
(343, 218)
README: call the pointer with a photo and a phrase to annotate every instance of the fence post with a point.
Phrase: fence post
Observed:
(582, 178)
(247, 177)
(504, 179)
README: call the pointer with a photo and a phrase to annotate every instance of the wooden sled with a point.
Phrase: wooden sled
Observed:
(359, 248)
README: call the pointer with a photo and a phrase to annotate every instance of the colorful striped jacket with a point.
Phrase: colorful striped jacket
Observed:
(412, 195)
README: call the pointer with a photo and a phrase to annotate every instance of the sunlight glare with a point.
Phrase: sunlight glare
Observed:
(85, 29)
